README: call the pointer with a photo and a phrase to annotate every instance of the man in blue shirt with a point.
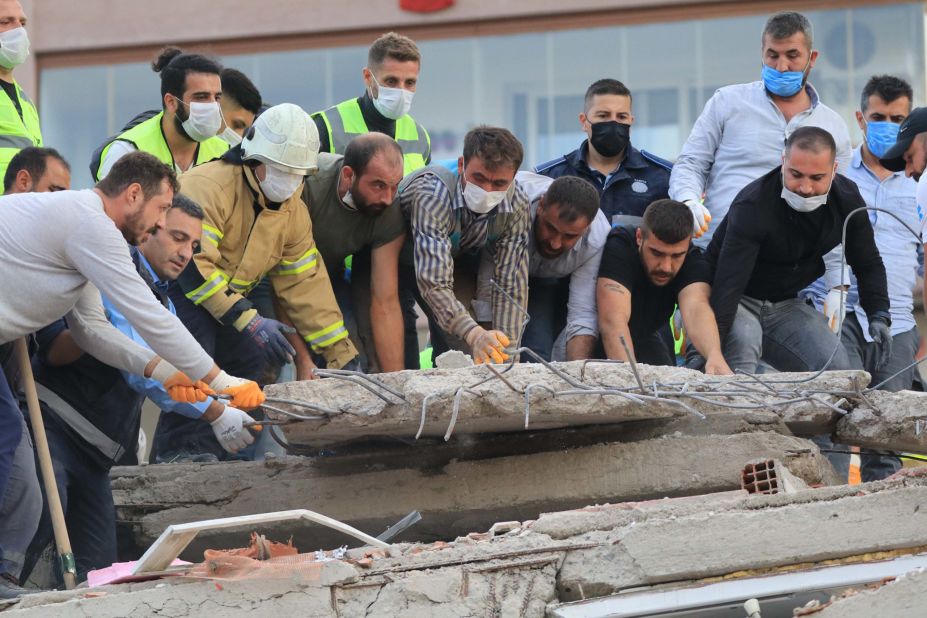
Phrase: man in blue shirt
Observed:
(884, 105)
(627, 179)
(92, 411)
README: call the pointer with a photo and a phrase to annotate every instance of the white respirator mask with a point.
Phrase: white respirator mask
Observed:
(278, 185)
(203, 120)
(14, 47)
(800, 203)
(230, 137)
(393, 103)
(481, 201)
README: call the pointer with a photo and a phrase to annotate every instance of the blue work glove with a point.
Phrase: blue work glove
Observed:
(268, 335)
(881, 334)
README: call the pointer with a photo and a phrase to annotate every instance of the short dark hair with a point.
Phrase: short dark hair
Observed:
(670, 221)
(32, 159)
(140, 167)
(395, 46)
(888, 88)
(604, 86)
(188, 206)
(785, 24)
(811, 139)
(574, 197)
(237, 86)
(496, 147)
(173, 65)
(360, 150)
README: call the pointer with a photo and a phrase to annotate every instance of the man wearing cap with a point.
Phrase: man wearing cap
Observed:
(256, 225)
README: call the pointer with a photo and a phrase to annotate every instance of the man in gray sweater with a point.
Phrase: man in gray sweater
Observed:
(60, 250)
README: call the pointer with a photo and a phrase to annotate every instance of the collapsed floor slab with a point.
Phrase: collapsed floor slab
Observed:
(484, 399)
(454, 496)
(902, 597)
(563, 556)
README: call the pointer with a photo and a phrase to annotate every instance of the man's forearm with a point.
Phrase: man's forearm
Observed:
(611, 331)
(702, 331)
(387, 324)
(580, 347)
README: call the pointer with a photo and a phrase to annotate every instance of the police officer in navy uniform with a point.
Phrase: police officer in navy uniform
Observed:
(627, 179)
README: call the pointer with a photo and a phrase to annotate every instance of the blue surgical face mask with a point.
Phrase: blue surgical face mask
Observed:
(880, 136)
(782, 83)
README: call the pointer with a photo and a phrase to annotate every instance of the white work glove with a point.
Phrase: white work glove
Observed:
(700, 217)
(244, 394)
(487, 346)
(229, 429)
(835, 308)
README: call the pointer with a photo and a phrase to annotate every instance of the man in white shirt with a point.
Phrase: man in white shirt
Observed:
(741, 132)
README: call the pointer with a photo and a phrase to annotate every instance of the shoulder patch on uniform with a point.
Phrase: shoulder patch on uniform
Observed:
(667, 165)
(543, 167)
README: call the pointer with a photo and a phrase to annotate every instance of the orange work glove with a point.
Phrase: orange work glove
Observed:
(487, 346)
(245, 394)
(178, 386)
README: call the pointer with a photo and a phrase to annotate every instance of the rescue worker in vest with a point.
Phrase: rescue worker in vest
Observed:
(19, 120)
(184, 133)
(390, 81)
(627, 179)
(351, 205)
(92, 411)
(31, 170)
(390, 78)
(256, 224)
(38, 170)
(453, 218)
(240, 103)
(61, 269)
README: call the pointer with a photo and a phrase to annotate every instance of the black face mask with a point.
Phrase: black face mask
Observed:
(610, 138)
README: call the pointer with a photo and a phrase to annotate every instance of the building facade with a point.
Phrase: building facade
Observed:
(522, 64)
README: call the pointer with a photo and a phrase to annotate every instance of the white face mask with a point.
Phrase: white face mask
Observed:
(481, 201)
(230, 137)
(800, 203)
(348, 201)
(278, 186)
(393, 103)
(203, 120)
(14, 47)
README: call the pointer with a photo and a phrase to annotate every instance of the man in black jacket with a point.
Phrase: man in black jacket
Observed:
(771, 244)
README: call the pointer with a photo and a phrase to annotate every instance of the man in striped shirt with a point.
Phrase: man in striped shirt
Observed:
(453, 218)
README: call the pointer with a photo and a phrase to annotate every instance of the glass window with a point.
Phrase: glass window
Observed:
(532, 83)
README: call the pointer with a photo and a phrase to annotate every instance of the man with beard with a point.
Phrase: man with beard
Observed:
(352, 207)
(739, 135)
(60, 250)
(568, 232)
(184, 133)
(644, 274)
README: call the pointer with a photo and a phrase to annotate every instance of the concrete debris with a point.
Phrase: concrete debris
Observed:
(903, 596)
(454, 496)
(897, 421)
(439, 403)
(567, 556)
(453, 359)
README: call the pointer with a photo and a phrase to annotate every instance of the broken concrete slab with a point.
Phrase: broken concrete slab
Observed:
(483, 399)
(454, 497)
(568, 556)
(893, 421)
(903, 596)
